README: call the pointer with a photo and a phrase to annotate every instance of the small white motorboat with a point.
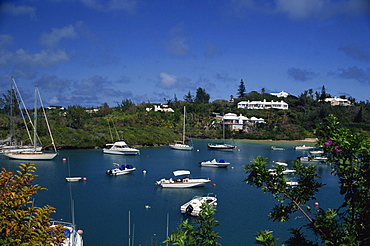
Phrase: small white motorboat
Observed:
(316, 152)
(192, 207)
(313, 159)
(74, 237)
(120, 148)
(280, 163)
(277, 148)
(120, 169)
(303, 147)
(214, 163)
(73, 179)
(185, 182)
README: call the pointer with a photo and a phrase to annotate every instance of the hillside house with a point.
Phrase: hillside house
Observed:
(280, 94)
(234, 122)
(263, 104)
(161, 108)
(338, 101)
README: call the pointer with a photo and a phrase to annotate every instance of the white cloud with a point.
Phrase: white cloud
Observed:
(52, 39)
(304, 9)
(44, 58)
(18, 10)
(167, 81)
(178, 42)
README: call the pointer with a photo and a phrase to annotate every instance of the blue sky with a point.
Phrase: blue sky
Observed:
(88, 52)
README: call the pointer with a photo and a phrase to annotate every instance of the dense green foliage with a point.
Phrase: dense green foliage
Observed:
(199, 233)
(349, 155)
(78, 127)
(21, 222)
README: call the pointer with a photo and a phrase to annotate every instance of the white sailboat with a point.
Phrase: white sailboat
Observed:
(221, 145)
(12, 145)
(35, 154)
(182, 145)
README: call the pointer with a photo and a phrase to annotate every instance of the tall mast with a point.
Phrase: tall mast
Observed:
(35, 121)
(183, 131)
(11, 111)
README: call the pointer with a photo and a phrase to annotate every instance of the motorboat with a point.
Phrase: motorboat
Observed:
(214, 163)
(303, 147)
(74, 237)
(221, 146)
(185, 182)
(276, 148)
(120, 169)
(280, 163)
(192, 207)
(73, 179)
(313, 159)
(120, 148)
(183, 144)
(316, 152)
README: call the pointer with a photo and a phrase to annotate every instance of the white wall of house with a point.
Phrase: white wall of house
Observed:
(263, 104)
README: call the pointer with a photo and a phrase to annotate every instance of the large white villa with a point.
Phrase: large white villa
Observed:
(263, 104)
(280, 94)
(338, 101)
(235, 122)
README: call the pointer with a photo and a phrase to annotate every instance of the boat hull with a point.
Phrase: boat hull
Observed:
(117, 171)
(31, 156)
(181, 146)
(192, 207)
(184, 183)
(121, 152)
(215, 163)
(218, 165)
(221, 146)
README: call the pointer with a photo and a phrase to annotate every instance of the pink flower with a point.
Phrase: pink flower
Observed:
(328, 142)
(337, 149)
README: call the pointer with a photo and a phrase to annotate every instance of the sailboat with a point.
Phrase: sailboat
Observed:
(12, 146)
(222, 145)
(35, 154)
(182, 145)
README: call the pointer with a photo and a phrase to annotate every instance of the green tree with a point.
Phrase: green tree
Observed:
(21, 222)
(241, 89)
(349, 224)
(189, 97)
(76, 116)
(202, 96)
(199, 233)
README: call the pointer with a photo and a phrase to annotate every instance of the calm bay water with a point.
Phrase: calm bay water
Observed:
(103, 203)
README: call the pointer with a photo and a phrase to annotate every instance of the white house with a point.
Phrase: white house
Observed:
(338, 101)
(161, 108)
(263, 104)
(235, 122)
(280, 94)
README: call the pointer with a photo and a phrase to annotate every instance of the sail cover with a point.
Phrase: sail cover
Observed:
(181, 172)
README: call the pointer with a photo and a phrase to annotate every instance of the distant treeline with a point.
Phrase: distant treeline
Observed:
(79, 127)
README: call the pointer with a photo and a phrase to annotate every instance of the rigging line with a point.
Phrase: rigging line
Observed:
(46, 120)
(25, 109)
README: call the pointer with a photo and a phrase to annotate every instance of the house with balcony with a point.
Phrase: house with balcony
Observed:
(263, 104)
(234, 122)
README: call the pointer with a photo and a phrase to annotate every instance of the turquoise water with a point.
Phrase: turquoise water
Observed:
(103, 203)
